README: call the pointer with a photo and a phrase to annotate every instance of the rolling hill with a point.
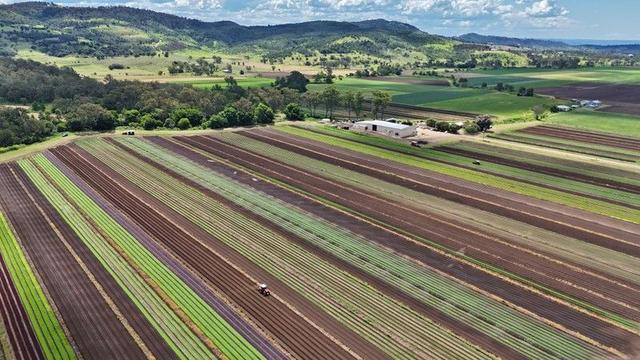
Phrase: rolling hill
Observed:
(118, 30)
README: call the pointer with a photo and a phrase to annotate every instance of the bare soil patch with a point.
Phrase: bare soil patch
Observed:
(616, 97)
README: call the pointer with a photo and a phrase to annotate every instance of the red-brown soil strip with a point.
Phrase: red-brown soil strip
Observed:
(486, 247)
(187, 242)
(597, 229)
(24, 343)
(543, 170)
(244, 329)
(586, 150)
(584, 136)
(540, 305)
(503, 162)
(473, 335)
(94, 327)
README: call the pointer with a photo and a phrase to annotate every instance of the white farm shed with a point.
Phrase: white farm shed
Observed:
(385, 128)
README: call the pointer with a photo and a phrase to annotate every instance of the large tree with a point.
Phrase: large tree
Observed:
(331, 98)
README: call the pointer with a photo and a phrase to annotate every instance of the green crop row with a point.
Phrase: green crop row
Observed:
(578, 144)
(216, 328)
(553, 143)
(203, 316)
(599, 207)
(577, 167)
(51, 336)
(574, 250)
(569, 249)
(348, 299)
(435, 290)
(496, 169)
(180, 338)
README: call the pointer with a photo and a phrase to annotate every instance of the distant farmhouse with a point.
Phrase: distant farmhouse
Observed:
(386, 128)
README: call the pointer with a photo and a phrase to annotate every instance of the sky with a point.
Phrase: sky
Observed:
(548, 19)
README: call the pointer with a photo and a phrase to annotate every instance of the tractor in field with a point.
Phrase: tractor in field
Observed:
(264, 290)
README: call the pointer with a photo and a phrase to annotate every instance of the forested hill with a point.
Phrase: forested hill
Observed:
(118, 30)
(516, 42)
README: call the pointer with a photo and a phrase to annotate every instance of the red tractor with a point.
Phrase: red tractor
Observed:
(264, 290)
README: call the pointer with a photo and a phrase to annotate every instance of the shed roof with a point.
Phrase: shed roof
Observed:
(385, 124)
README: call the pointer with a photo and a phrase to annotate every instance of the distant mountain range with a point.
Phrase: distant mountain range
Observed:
(118, 30)
(614, 47)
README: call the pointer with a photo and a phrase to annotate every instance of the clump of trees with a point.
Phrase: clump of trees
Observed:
(17, 126)
(295, 80)
(198, 68)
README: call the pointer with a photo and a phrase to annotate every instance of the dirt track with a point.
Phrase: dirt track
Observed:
(297, 336)
(584, 136)
(24, 343)
(566, 316)
(94, 327)
(543, 169)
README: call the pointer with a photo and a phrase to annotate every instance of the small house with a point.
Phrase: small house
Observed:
(563, 108)
(385, 128)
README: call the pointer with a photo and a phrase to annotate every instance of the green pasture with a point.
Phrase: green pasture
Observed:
(246, 82)
(501, 105)
(537, 78)
(625, 125)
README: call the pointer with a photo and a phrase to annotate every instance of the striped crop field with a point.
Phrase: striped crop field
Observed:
(605, 145)
(156, 248)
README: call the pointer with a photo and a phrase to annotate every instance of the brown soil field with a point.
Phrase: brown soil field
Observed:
(187, 242)
(543, 170)
(459, 328)
(321, 187)
(504, 162)
(585, 136)
(602, 230)
(94, 327)
(623, 98)
(490, 252)
(252, 335)
(24, 343)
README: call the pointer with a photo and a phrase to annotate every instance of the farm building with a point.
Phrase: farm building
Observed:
(563, 108)
(385, 128)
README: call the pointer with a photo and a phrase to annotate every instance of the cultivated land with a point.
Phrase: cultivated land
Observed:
(371, 248)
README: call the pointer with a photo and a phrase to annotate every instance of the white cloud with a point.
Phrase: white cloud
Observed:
(545, 9)
(198, 4)
(466, 8)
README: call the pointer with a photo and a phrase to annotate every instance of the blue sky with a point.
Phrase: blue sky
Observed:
(575, 19)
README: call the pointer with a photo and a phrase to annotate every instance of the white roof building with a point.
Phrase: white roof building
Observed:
(385, 128)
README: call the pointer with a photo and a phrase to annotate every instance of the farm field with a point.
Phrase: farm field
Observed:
(479, 101)
(543, 78)
(617, 124)
(367, 252)
(606, 145)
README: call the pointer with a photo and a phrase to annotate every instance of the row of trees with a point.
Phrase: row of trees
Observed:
(353, 102)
